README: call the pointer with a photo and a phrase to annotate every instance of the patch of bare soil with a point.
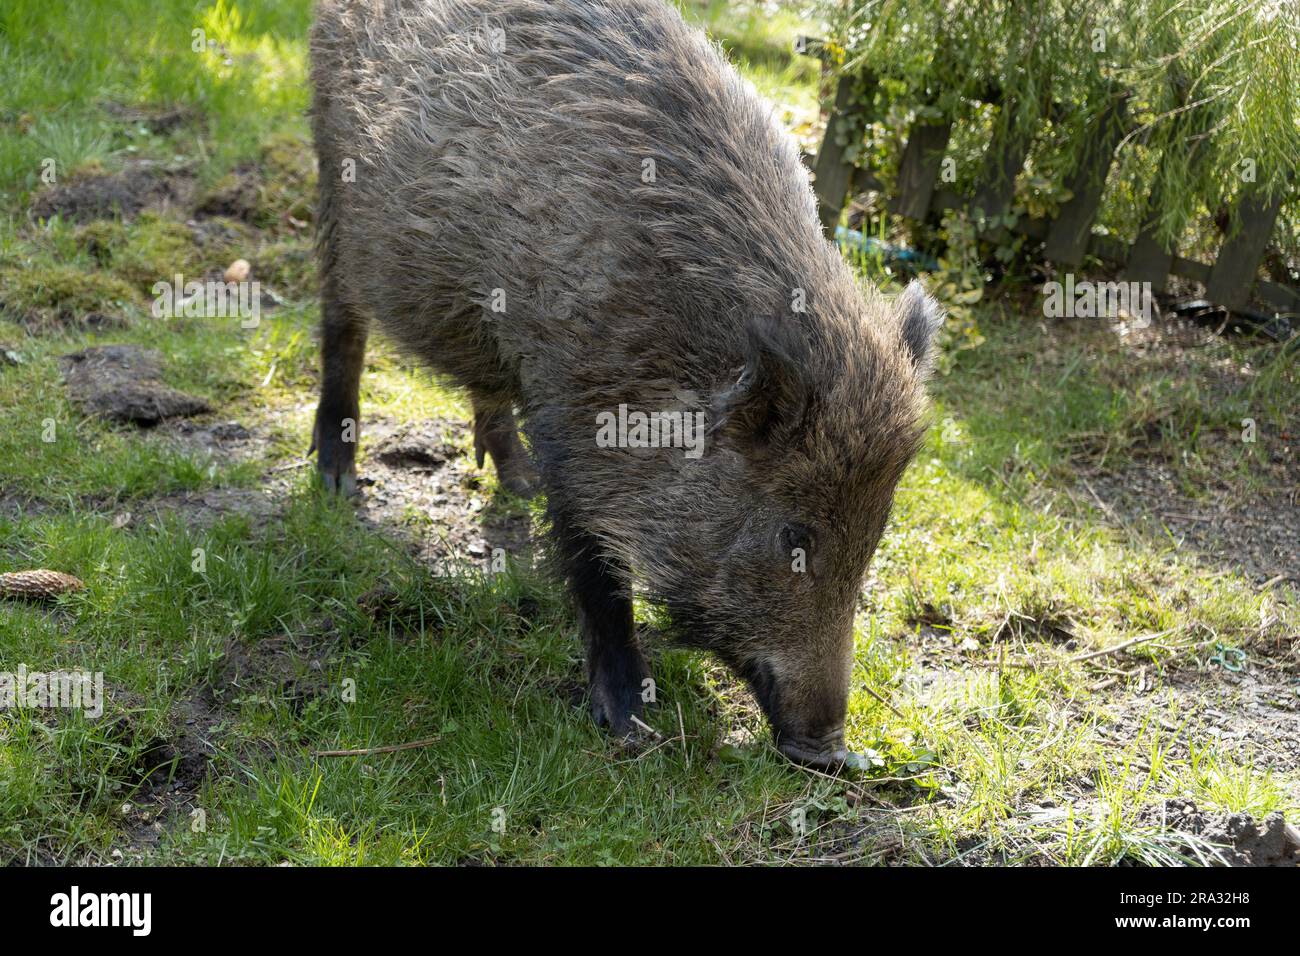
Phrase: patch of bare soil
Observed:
(193, 509)
(222, 234)
(289, 669)
(229, 441)
(1256, 535)
(1236, 839)
(164, 775)
(237, 197)
(420, 482)
(143, 184)
(159, 119)
(272, 193)
(1253, 531)
(1253, 714)
(226, 437)
(166, 779)
(123, 383)
(202, 509)
(16, 507)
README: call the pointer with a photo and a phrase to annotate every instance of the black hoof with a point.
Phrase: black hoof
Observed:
(618, 692)
(521, 485)
(335, 458)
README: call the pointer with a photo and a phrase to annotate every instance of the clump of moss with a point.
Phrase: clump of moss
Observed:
(59, 294)
(101, 239)
(267, 194)
(152, 249)
(88, 169)
(158, 248)
(288, 266)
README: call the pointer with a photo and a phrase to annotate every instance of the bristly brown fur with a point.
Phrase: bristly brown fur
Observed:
(503, 226)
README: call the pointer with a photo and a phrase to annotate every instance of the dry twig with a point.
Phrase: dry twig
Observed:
(388, 749)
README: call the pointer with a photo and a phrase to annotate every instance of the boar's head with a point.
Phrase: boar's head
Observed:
(790, 501)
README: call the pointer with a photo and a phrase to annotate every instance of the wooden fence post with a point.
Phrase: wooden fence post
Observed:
(1067, 240)
(834, 176)
(1237, 264)
(1002, 164)
(1148, 259)
(918, 170)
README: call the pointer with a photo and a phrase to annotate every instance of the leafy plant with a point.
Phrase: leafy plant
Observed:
(1211, 88)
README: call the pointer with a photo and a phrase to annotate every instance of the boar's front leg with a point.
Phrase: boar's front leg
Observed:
(616, 668)
(343, 353)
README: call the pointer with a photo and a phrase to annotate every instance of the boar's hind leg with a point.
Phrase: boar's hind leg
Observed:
(343, 352)
(496, 433)
(615, 666)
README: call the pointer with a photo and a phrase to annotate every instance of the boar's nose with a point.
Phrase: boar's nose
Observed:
(814, 750)
(822, 752)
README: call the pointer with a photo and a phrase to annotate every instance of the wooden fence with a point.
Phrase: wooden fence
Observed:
(1229, 281)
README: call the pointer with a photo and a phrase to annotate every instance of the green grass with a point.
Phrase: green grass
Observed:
(760, 39)
(994, 573)
(58, 73)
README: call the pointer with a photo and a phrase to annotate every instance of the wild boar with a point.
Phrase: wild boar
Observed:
(576, 209)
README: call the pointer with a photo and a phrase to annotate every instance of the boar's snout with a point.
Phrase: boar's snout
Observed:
(809, 729)
(826, 752)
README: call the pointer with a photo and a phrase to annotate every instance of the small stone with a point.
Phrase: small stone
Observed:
(238, 270)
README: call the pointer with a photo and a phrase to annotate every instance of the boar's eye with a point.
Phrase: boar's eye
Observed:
(796, 537)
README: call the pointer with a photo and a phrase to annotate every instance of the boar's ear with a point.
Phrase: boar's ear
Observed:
(919, 318)
(769, 397)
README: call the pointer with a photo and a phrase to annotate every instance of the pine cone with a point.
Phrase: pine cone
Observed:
(38, 585)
